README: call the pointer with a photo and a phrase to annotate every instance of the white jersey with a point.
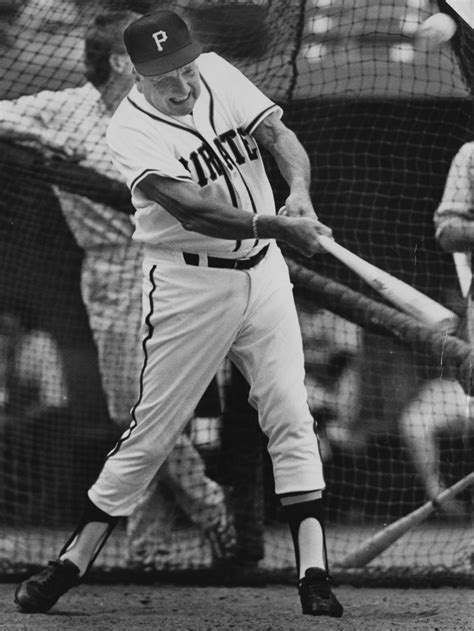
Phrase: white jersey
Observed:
(214, 148)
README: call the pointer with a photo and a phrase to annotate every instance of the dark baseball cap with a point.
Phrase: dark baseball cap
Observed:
(160, 42)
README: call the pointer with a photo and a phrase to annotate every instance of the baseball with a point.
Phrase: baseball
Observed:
(436, 30)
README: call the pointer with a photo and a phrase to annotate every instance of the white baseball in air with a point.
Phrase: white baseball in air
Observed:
(436, 30)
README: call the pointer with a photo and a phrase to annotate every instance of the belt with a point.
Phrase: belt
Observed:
(212, 261)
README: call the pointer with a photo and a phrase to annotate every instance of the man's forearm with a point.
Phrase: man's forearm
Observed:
(288, 152)
(216, 219)
(292, 161)
(207, 216)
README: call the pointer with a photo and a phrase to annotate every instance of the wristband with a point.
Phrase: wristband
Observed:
(254, 226)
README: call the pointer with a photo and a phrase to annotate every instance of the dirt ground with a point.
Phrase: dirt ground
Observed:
(271, 608)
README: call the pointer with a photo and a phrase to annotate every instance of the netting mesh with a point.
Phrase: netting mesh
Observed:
(381, 119)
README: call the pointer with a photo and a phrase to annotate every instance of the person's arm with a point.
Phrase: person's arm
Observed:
(15, 125)
(292, 161)
(186, 203)
(456, 234)
(87, 182)
(454, 217)
(28, 120)
(70, 176)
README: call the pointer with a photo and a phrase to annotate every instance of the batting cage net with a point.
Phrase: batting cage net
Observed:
(382, 113)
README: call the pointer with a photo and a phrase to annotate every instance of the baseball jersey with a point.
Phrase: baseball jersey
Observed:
(213, 148)
(78, 116)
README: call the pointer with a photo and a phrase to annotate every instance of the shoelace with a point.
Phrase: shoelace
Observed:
(319, 589)
(50, 575)
(317, 585)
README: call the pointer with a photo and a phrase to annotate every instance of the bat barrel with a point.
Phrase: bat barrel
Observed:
(401, 294)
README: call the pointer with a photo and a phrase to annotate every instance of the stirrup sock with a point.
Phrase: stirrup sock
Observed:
(298, 507)
(91, 513)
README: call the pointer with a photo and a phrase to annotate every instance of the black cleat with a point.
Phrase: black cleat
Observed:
(40, 592)
(316, 595)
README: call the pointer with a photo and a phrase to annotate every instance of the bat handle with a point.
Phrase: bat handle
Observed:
(328, 243)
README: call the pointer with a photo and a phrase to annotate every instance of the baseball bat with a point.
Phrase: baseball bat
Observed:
(403, 296)
(378, 543)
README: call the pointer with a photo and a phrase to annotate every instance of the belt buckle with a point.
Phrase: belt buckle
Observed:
(236, 264)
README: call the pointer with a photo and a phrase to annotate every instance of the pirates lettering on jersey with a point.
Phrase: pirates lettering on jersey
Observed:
(231, 149)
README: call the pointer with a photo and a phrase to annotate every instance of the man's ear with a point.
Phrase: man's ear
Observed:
(120, 63)
(138, 80)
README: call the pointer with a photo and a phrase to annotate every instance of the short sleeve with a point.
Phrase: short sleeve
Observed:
(137, 154)
(458, 193)
(248, 104)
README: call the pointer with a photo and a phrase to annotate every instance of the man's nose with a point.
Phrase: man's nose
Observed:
(181, 85)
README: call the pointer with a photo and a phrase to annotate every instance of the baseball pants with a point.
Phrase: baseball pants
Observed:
(193, 318)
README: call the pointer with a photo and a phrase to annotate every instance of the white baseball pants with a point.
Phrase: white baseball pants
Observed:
(193, 318)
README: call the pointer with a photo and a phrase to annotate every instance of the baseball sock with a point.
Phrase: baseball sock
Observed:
(89, 537)
(304, 513)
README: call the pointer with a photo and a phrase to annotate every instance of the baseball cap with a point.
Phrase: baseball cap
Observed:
(160, 42)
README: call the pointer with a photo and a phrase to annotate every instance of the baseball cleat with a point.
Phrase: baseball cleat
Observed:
(316, 595)
(40, 592)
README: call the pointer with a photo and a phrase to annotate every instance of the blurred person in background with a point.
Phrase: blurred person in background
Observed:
(69, 126)
(439, 413)
(332, 349)
(31, 372)
(441, 407)
(40, 47)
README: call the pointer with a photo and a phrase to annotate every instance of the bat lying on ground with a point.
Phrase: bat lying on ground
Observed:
(403, 296)
(376, 544)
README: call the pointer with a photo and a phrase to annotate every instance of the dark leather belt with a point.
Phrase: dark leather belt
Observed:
(212, 261)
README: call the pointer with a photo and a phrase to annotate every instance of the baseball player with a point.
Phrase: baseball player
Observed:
(215, 284)
(76, 119)
(441, 406)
